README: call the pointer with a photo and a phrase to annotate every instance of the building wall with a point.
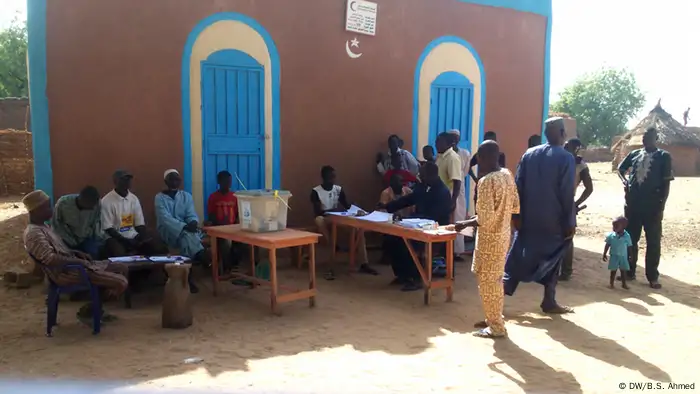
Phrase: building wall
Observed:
(113, 81)
(14, 113)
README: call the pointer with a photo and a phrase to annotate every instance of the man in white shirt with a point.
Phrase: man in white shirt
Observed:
(123, 222)
(460, 213)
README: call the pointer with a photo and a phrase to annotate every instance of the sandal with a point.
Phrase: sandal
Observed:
(655, 285)
(558, 310)
(487, 333)
(329, 275)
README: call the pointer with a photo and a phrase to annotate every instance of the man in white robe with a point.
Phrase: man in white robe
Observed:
(460, 212)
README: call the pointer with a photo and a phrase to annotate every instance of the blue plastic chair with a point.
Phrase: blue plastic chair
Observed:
(55, 294)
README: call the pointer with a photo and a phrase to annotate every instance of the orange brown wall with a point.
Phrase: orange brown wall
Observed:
(114, 85)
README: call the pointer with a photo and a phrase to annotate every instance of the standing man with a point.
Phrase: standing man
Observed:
(77, 221)
(686, 116)
(583, 174)
(498, 203)
(461, 206)
(547, 220)
(449, 166)
(646, 191)
(398, 158)
(488, 136)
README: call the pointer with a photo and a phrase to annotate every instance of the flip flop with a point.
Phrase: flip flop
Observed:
(655, 285)
(487, 333)
(558, 310)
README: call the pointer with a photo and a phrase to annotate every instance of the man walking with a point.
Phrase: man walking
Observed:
(547, 221)
(496, 206)
(646, 191)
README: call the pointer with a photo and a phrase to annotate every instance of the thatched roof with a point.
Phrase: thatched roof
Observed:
(670, 131)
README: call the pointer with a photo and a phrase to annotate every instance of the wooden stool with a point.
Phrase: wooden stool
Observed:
(177, 309)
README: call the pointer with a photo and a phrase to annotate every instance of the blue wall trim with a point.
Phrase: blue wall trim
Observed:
(38, 102)
(416, 84)
(185, 83)
(539, 7)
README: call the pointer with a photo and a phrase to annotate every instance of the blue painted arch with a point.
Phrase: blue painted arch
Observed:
(185, 90)
(447, 76)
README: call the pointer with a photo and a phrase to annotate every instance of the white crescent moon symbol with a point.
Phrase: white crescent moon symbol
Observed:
(352, 54)
(352, 5)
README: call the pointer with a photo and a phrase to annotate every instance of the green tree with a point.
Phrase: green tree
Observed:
(13, 60)
(602, 103)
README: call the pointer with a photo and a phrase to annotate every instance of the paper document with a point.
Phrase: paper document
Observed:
(420, 224)
(354, 209)
(127, 259)
(377, 217)
(168, 259)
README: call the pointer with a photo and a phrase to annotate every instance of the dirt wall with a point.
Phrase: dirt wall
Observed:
(14, 113)
(16, 162)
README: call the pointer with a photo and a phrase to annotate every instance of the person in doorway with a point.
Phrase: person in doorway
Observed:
(52, 253)
(397, 158)
(431, 200)
(428, 154)
(330, 197)
(123, 221)
(76, 220)
(547, 220)
(222, 210)
(498, 203)
(646, 192)
(488, 136)
(583, 175)
(460, 213)
(534, 141)
(449, 166)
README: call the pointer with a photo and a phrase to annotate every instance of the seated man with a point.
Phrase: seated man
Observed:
(432, 200)
(44, 245)
(177, 221)
(123, 222)
(329, 197)
(77, 221)
(395, 191)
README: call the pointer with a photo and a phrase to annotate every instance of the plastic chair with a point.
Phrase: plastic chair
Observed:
(55, 293)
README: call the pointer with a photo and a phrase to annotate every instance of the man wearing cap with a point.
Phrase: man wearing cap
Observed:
(178, 224)
(48, 249)
(123, 222)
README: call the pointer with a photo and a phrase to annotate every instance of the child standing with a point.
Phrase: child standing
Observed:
(222, 209)
(617, 243)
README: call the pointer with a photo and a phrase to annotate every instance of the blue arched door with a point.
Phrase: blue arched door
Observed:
(451, 98)
(233, 120)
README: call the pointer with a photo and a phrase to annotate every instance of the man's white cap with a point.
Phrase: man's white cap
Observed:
(168, 172)
(455, 132)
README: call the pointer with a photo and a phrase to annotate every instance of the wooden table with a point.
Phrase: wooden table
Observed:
(287, 238)
(359, 226)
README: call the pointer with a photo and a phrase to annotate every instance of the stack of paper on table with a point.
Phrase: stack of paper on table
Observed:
(353, 211)
(420, 224)
(144, 259)
(377, 217)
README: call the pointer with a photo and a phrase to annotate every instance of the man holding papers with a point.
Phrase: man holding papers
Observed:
(432, 200)
(329, 197)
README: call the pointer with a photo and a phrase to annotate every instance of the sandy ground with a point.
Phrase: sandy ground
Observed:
(366, 337)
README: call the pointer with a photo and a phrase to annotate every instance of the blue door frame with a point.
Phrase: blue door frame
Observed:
(233, 120)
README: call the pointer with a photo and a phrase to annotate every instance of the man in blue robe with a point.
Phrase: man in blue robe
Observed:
(547, 220)
(178, 224)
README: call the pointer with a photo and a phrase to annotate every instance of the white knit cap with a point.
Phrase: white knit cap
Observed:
(168, 172)
(455, 132)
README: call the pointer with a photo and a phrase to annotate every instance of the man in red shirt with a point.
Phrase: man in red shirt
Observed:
(222, 209)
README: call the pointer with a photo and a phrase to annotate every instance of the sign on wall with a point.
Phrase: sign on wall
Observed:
(361, 17)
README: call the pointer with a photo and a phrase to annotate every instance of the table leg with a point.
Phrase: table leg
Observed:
(427, 291)
(450, 263)
(312, 273)
(252, 264)
(215, 265)
(353, 248)
(273, 280)
(300, 257)
(334, 241)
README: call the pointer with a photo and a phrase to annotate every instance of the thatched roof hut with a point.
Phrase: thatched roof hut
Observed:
(680, 141)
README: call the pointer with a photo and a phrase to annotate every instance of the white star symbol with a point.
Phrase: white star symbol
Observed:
(354, 43)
